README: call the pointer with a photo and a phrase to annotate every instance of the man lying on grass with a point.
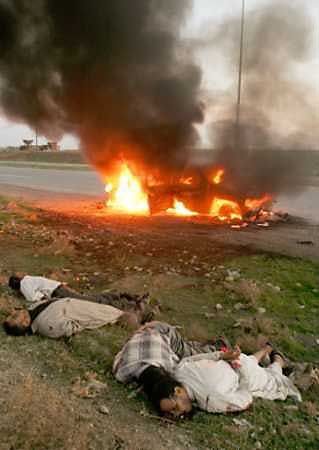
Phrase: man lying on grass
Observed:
(227, 382)
(54, 310)
(151, 355)
(175, 373)
(37, 290)
(65, 317)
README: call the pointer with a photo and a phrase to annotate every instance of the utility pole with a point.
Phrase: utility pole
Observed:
(240, 68)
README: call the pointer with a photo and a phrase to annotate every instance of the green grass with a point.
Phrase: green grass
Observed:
(43, 165)
(189, 301)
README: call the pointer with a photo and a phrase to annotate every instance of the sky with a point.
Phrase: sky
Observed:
(206, 14)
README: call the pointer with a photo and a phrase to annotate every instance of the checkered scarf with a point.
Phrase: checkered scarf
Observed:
(157, 344)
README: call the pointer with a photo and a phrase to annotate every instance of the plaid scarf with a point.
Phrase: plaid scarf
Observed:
(158, 344)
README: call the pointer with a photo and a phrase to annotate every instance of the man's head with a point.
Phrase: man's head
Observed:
(15, 283)
(18, 323)
(165, 392)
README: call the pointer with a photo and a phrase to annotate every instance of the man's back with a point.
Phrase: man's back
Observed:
(35, 289)
(68, 316)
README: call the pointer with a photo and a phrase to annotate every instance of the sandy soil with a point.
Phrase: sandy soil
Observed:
(296, 238)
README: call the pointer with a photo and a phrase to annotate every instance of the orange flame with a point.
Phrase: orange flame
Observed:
(179, 209)
(188, 180)
(255, 203)
(128, 195)
(218, 177)
(225, 210)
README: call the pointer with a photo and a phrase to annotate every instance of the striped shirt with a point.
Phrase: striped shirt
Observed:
(158, 344)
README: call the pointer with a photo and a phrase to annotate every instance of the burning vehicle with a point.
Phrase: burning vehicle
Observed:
(196, 193)
(129, 85)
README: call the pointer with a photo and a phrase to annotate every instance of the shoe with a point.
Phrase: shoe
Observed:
(276, 353)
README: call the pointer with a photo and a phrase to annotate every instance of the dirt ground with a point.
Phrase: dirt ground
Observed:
(37, 412)
(295, 238)
(184, 263)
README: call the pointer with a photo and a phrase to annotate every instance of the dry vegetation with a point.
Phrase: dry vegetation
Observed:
(206, 287)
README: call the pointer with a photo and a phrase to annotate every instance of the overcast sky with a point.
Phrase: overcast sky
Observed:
(208, 13)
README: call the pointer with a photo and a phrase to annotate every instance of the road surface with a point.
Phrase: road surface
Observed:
(88, 183)
(77, 192)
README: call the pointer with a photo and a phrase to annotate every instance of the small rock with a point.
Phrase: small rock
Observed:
(209, 315)
(274, 288)
(238, 306)
(219, 307)
(261, 310)
(242, 423)
(317, 341)
(230, 279)
(104, 409)
(298, 284)
(234, 274)
(291, 408)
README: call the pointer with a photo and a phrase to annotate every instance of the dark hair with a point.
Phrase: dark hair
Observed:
(158, 384)
(14, 283)
(16, 330)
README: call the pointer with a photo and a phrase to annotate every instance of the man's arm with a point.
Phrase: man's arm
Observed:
(231, 355)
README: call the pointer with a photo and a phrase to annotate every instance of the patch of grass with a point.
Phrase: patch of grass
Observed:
(44, 166)
(188, 300)
(69, 157)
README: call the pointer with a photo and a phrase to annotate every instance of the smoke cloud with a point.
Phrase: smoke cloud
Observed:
(276, 43)
(114, 72)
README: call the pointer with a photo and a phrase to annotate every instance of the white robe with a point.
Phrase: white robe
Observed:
(217, 387)
(212, 383)
(69, 316)
(268, 383)
(37, 289)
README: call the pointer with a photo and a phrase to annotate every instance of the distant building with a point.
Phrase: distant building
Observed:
(53, 146)
(27, 144)
(50, 146)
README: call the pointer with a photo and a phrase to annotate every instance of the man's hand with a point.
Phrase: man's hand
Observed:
(231, 355)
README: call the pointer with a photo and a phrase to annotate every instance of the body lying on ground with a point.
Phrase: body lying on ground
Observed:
(154, 344)
(150, 357)
(175, 373)
(37, 290)
(53, 310)
(65, 317)
(216, 386)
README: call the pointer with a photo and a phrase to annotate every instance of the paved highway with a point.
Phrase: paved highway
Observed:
(304, 204)
(61, 181)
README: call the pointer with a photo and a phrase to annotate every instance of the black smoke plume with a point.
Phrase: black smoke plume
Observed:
(277, 40)
(112, 71)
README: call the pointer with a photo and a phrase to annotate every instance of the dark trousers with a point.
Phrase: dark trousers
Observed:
(124, 301)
